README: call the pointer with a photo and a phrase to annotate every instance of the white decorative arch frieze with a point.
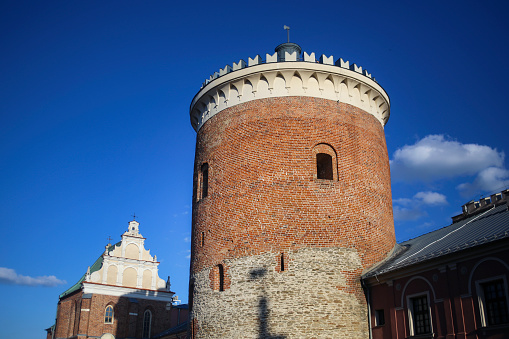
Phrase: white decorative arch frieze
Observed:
(280, 79)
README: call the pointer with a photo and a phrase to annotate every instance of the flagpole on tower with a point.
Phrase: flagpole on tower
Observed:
(287, 28)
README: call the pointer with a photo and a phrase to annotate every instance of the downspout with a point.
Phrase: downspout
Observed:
(368, 302)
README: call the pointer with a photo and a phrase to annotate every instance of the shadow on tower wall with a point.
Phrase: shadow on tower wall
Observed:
(263, 306)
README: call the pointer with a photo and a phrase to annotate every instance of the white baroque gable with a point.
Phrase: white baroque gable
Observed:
(128, 264)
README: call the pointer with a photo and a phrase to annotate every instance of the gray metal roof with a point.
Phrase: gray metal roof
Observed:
(480, 229)
(177, 329)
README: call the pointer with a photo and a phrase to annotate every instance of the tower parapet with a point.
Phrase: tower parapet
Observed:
(284, 74)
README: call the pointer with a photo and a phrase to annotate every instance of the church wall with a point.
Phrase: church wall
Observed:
(68, 312)
(128, 316)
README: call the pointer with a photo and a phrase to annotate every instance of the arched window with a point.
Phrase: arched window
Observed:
(77, 317)
(204, 181)
(326, 162)
(282, 262)
(108, 315)
(147, 324)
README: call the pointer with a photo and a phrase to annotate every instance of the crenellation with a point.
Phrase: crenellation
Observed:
(342, 63)
(356, 68)
(291, 56)
(271, 58)
(241, 64)
(227, 69)
(309, 57)
(255, 61)
(288, 57)
(326, 60)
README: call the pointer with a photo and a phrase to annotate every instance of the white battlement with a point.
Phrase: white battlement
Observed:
(289, 57)
(286, 73)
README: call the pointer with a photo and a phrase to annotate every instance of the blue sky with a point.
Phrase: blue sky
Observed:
(94, 102)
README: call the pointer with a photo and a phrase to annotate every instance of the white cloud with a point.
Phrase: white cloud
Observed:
(490, 179)
(431, 198)
(434, 157)
(187, 239)
(413, 209)
(189, 255)
(9, 276)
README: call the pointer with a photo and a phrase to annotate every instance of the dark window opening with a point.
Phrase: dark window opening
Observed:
(282, 262)
(421, 315)
(379, 318)
(495, 303)
(324, 166)
(191, 294)
(147, 320)
(221, 277)
(202, 239)
(204, 182)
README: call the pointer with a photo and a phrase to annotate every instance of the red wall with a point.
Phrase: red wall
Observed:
(452, 294)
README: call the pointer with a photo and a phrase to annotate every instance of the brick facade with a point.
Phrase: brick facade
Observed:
(264, 201)
(450, 284)
(84, 316)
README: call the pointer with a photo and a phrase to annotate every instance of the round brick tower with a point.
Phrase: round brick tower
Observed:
(292, 197)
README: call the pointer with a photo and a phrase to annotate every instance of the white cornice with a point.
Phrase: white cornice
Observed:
(119, 291)
(285, 79)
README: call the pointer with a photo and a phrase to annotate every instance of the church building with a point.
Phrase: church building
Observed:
(120, 296)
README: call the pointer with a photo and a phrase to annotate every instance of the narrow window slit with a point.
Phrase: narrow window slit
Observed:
(221, 277)
(204, 182)
(282, 262)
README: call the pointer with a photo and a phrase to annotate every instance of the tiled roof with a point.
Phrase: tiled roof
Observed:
(96, 266)
(480, 229)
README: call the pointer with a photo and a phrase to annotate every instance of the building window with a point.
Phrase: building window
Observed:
(420, 316)
(204, 181)
(108, 315)
(379, 317)
(221, 277)
(202, 239)
(324, 168)
(326, 163)
(494, 302)
(282, 262)
(147, 323)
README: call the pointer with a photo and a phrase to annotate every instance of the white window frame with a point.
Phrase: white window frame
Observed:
(480, 296)
(410, 309)
(112, 314)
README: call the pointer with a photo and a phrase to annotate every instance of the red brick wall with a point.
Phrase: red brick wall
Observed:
(91, 323)
(263, 193)
(124, 324)
(454, 302)
(67, 323)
